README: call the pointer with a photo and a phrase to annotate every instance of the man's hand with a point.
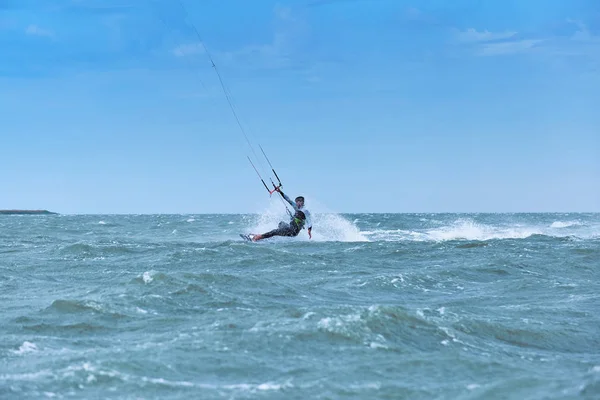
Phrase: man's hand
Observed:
(275, 189)
(309, 233)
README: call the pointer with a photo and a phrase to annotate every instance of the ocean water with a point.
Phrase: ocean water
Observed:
(375, 306)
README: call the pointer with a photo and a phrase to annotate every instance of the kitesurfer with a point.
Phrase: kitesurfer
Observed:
(300, 219)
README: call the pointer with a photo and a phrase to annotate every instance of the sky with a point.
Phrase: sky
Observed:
(113, 106)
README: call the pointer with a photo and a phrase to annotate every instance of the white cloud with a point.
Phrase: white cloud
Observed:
(486, 43)
(283, 13)
(283, 49)
(274, 54)
(582, 48)
(413, 13)
(579, 49)
(188, 49)
(37, 31)
(473, 36)
(581, 43)
(506, 48)
(583, 35)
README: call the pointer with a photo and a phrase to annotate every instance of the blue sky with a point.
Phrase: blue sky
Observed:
(112, 106)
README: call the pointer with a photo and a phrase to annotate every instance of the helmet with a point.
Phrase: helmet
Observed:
(299, 198)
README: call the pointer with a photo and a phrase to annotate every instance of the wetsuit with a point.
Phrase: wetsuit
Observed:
(293, 228)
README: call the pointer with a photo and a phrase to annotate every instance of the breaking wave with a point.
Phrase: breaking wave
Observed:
(469, 230)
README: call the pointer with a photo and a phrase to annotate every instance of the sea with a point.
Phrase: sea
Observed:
(374, 306)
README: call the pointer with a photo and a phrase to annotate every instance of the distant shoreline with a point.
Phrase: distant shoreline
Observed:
(26, 212)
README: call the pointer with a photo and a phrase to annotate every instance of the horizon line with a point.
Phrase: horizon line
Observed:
(352, 212)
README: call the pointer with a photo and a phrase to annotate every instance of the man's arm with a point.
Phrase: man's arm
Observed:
(293, 204)
(308, 219)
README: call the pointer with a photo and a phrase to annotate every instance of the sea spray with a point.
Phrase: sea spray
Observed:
(326, 226)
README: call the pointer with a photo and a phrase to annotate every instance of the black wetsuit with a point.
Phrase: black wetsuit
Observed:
(291, 229)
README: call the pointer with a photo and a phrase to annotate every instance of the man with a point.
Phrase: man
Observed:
(300, 219)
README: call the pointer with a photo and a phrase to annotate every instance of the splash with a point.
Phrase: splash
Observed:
(327, 227)
(466, 229)
(334, 227)
(462, 229)
(564, 224)
(148, 276)
(26, 347)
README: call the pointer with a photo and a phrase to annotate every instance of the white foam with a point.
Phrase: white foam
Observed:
(326, 323)
(332, 324)
(394, 235)
(379, 343)
(467, 229)
(26, 347)
(165, 382)
(564, 224)
(31, 376)
(334, 227)
(367, 386)
(147, 276)
(271, 386)
(308, 315)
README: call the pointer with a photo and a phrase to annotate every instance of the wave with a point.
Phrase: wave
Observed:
(334, 227)
(62, 306)
(26, 347)
(565, 224)
(79, 328)
(469, 230)
(90, 249)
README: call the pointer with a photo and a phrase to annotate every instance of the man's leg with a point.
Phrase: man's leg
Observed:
(283, 225)
(287, 231)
